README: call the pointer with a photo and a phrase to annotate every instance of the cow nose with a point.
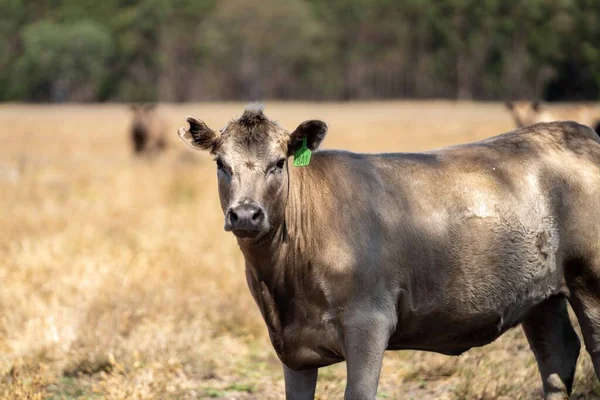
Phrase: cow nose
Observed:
(245, 217)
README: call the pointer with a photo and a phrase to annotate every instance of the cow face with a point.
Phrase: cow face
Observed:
(523, 112)
(141, 113)
(251, 155)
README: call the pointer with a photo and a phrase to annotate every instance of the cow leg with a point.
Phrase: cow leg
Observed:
(586, 304)
(365, 340)
(300, 385)
(555, 345)
(583, 279)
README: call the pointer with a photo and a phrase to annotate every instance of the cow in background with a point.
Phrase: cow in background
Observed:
(525, 112)
(148, 130)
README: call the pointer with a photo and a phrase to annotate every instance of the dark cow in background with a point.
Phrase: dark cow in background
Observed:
(440, 251)
(148, 130)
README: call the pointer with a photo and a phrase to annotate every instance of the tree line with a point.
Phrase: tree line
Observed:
(192, 50)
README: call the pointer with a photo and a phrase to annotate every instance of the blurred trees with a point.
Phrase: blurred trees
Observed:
(62, 61)
(182, 50)
(255, 49)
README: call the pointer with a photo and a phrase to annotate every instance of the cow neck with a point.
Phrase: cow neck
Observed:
(276, 255)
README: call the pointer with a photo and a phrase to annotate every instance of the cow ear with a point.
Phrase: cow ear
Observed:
(313, 131)
(536, 105)
(199, 136)
(509, 104)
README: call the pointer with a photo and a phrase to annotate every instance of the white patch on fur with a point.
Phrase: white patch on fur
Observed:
(480, 208)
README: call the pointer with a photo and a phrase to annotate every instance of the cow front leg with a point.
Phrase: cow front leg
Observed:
(555, 345)
(365, 340)
(300, 385)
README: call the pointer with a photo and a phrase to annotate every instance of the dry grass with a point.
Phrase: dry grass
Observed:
(119, 283)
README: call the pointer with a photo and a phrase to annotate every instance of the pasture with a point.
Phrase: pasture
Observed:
(117, 280)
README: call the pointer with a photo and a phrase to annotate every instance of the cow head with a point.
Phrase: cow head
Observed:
(524, 112)
(141, 112)
(251, 155)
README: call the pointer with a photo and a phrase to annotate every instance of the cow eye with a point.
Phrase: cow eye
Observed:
(219, 163)
(278, 166)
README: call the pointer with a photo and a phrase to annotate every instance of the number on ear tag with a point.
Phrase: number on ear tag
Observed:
(302, 155)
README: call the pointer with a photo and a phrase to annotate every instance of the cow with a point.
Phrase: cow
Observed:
(348, 255)
(148, 131)
(526, 112)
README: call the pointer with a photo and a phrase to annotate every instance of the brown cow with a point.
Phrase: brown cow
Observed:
(440, 251)
(148, 130)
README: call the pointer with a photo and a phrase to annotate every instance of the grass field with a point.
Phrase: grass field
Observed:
(118, 282)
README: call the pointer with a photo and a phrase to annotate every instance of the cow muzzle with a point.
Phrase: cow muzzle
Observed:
(246, 220)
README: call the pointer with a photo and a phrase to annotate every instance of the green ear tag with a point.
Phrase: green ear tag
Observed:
(302, 155)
